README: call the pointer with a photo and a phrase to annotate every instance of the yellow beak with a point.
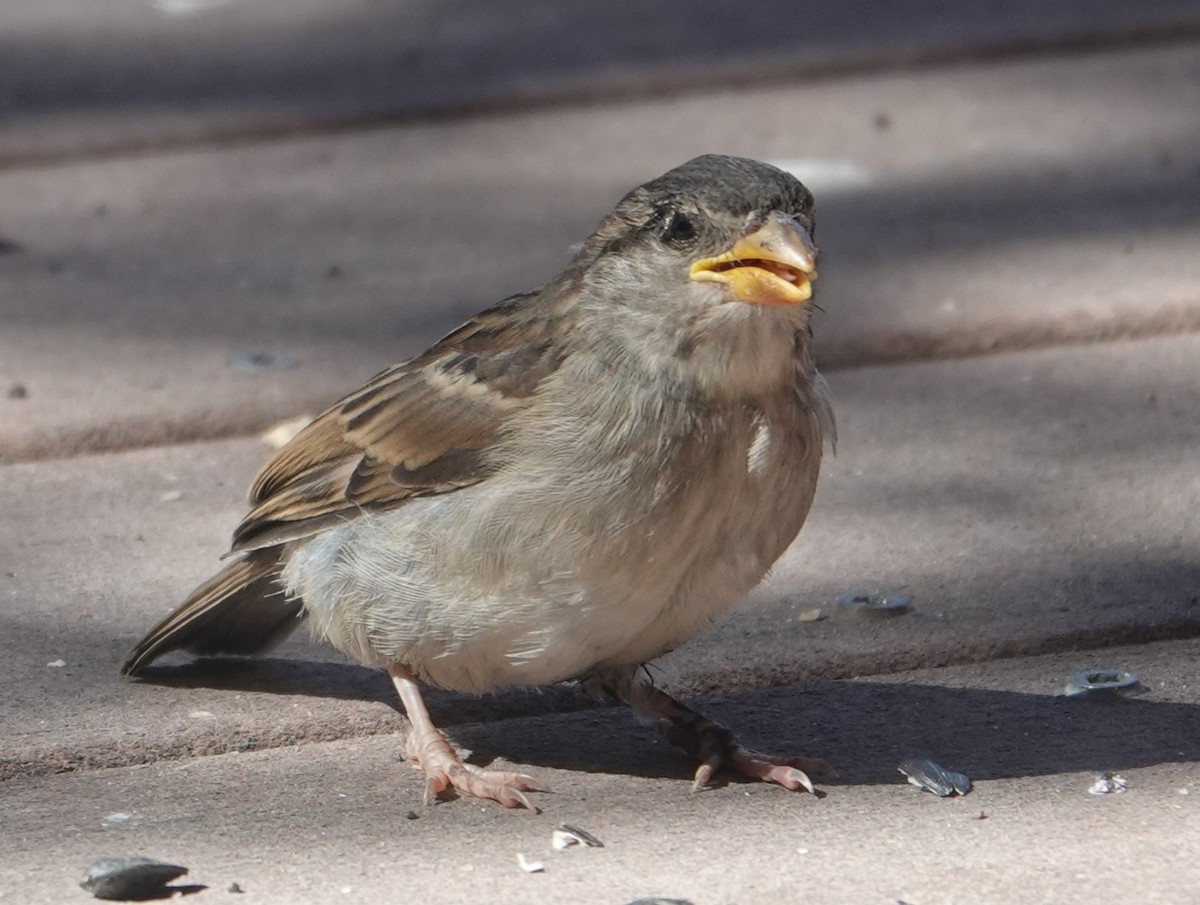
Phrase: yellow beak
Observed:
(774, 265)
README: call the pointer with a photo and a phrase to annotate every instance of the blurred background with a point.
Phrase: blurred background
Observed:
(218, 213)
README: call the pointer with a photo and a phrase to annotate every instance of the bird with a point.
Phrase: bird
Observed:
(571, 484)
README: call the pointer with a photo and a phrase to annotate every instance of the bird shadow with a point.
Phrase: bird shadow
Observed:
(864, 729)
(331, 680)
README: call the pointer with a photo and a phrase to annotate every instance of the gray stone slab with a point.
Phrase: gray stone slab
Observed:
(327, 821)
(1025, 502)
(961, 210)
(78, 78)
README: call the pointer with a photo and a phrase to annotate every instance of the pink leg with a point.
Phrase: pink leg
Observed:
(440, 763)
(712, 744)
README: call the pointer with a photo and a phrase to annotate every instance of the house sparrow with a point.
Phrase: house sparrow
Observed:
(569, 485)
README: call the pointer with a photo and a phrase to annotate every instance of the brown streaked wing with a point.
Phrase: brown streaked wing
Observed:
(420, 427)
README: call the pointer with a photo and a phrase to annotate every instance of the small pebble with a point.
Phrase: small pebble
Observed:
(17, 391)
(235, 887)
(412, 815)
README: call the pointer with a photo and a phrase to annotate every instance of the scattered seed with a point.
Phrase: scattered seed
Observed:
(813, 615)
(57, 664)
(1104, 683)
(136, 877)
(1109, 784)
(567, 836)
(932, 777)
(871, 605)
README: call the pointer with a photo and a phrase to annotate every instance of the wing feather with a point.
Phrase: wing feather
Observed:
(420, 427)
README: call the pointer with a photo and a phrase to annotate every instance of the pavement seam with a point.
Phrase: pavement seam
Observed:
(871, 350)
(680, 81)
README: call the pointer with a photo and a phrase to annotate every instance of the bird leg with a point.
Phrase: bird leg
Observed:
(441, 764)
(714, 746)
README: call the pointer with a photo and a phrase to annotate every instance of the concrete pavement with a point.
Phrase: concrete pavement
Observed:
(1004, 206)
(331, 821)
(77, 79)
(1010, 298)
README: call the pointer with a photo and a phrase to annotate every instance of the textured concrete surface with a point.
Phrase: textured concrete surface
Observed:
(1027, 195)
(327, 821)
(1025, 502)
(1000, 206)
(79, 78)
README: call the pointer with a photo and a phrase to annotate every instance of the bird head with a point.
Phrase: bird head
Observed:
(740, 229)
(710, 269)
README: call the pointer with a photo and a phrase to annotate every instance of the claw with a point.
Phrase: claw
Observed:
(515, 798)
(794, 779)
(783, 771)
(704, 774)
(434, 786)
(529, 784)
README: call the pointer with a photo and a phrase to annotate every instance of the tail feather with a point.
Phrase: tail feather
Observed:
(240, 610)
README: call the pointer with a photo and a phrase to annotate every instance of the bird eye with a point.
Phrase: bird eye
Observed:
(677, 227)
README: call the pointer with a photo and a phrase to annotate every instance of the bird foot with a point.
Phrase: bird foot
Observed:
(444, 770)
(718, 748)
(714, 746)
(789, 772)
(440, 762)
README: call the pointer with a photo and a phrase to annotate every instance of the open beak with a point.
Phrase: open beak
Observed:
(774, 265)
